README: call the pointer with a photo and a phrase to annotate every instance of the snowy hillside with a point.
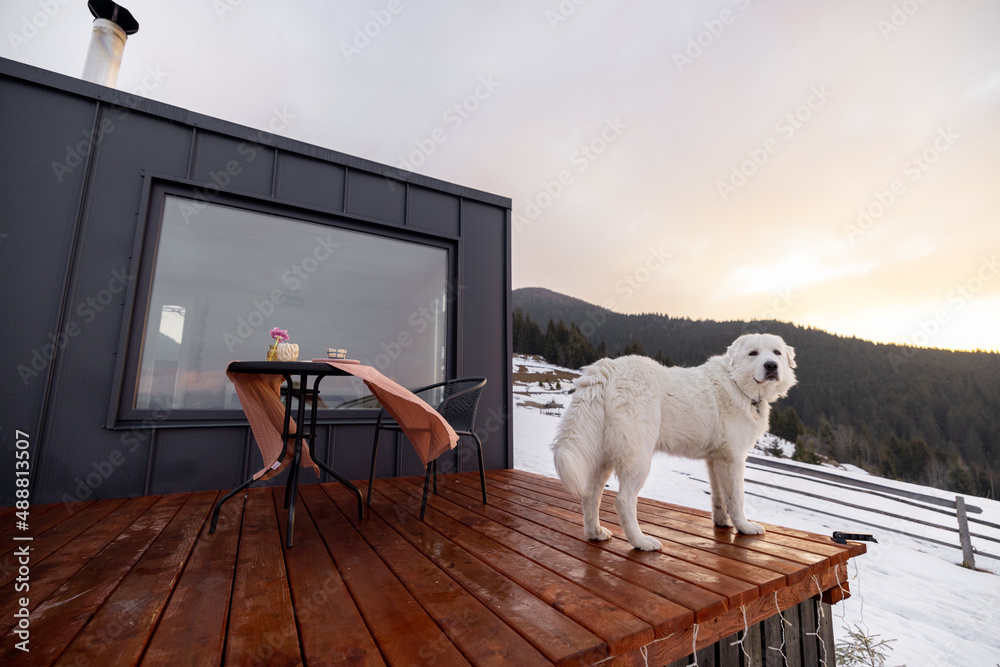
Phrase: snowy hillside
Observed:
(904, 589)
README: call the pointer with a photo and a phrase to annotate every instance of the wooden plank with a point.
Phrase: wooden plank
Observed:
(51, 540)
(822, 474)
(121, 628)
(705, 656)
(674, 559)
(842, 590)
(560, 639)
(670, 607)
(329, 623)
(773, 645)
(810, 542)
(261, 605)
(703, 545)
(790, 550)
(752, 645)
(776, 543)
(968, 558)
(193, 628)
(61, 616)
(828, 646)
(728, 654)
(793, 635)
(56, 569)
(810, 645)
(619, 558)
(397, 622)
(621, 630)
(473, 628)
(562, 554)
(666, 650)
(636, 602)
(40, 519)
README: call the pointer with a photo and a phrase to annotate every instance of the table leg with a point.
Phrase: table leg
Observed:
(251, 480)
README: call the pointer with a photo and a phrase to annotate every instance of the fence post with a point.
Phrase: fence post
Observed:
(968, 559)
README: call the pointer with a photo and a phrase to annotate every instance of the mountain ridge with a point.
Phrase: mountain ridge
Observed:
(880, 405)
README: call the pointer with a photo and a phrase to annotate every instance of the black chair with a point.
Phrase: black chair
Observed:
(457, 401)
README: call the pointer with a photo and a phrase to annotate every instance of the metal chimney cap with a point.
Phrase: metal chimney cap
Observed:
(107, 9)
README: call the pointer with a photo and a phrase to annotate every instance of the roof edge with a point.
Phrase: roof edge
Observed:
(72, 85)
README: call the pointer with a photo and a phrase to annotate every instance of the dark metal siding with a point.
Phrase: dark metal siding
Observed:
(434, 211)
(310, 182)
(374, 196)
(38, 214)
(485, 233)
(232, 164)
(78, 401)
(69, 244)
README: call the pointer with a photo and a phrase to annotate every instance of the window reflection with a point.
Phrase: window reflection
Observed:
(224, 276)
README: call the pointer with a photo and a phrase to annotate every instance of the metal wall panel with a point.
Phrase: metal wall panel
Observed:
(310, 182)
(433, 211)
(374, 196)
(485, 236)
(102, 273)
(232, 164)
(45, 140)
(207, 458)
(352, 451)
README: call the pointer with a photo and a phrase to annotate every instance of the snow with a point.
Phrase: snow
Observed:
(904, 589)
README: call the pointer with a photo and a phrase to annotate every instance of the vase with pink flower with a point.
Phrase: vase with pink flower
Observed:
(282, 350)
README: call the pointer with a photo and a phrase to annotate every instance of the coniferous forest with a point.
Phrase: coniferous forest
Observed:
(927, 416)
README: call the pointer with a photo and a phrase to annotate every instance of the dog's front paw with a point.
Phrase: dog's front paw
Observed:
(599, 535)
(750, 528)
(646, 543)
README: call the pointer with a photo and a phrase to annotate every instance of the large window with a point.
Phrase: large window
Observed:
(224, 276)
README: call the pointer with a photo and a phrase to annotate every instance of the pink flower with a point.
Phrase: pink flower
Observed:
(279, 335)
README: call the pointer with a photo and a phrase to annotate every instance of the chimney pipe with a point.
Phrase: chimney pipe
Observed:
(112, 25)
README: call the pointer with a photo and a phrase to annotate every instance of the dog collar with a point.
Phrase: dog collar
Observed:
(755, 403)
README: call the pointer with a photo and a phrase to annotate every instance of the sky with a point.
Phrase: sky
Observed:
(834, 165)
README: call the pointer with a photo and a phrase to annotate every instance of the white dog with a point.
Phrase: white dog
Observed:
(626, 409)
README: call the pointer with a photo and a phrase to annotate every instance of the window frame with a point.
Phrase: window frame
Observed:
(121, 413)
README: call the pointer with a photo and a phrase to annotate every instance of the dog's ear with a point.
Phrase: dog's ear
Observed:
(790, 353)
(733, 351)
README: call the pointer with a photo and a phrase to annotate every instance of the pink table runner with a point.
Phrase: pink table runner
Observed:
(260, 396)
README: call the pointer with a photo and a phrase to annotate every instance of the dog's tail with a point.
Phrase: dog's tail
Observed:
(577, 448)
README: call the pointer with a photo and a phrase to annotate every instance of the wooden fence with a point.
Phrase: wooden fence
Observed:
(957, 508)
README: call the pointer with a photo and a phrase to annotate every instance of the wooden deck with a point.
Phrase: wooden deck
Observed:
(140, 580)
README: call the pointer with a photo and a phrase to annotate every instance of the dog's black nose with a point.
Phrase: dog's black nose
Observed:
(770, 366)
